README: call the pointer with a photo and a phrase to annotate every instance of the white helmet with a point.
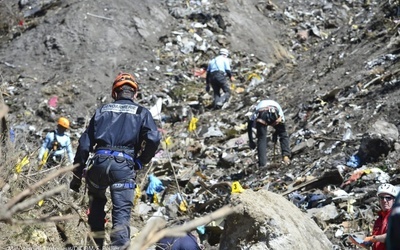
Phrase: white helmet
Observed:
(224, 52)
(387, 189)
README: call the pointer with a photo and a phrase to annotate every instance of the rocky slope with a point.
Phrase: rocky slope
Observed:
(333, 66)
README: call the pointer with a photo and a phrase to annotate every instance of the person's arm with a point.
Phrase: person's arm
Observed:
(86, 143)
(380, 238)
(376, 238)
(208, 80)
(45, 146)
(69, 151)
(208, 74)
(250, 125)
(150, 139)
(228, 70)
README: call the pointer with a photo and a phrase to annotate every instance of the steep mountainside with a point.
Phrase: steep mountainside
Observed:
(332, 65)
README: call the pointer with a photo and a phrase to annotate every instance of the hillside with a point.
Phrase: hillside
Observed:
(332, 65)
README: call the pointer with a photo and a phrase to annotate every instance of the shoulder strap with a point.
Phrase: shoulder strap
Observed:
(55, 136)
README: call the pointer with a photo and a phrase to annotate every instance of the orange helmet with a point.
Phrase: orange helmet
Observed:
(122, 79)
(63, 122)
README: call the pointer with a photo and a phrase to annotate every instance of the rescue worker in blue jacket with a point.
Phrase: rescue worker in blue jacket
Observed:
(56, 144)
(268, 113)
(187, 242)
(123, 137)
(217, 70)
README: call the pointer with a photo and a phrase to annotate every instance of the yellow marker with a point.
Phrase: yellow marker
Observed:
(183, 206)
(138, 194)
(192, 124)
(156, 198)
(21, 164)
(44, 159)
(40, 203)
(168, 141)
(236, 187)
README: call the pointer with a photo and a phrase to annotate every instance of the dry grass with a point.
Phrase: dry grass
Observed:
(37, 209)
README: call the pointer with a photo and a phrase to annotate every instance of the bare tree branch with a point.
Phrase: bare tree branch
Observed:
(151, 233)
(28, 203)
(44, 219)
(38, 184)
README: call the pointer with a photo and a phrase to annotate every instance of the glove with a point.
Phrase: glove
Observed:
(75, 184)
(208, 88)
(370, 239)
(252, 144)
(155, 185)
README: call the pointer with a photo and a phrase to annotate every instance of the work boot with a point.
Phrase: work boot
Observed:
(286, 160)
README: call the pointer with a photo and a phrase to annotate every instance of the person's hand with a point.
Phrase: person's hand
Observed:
(232, 79)
(279, 120)
(252, 144)
(208, 88)
(370, 239)
(75, 184)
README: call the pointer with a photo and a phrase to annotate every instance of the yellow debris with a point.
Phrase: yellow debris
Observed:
(250, 76)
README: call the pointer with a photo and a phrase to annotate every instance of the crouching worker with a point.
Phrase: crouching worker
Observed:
(187, 242)
(56, 145)
(123, 136)
(268, 113)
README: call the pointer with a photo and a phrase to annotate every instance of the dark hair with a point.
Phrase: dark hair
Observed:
(125, 91)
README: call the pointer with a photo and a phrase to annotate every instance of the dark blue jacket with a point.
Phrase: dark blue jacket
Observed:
(122, 126)
(188, 242)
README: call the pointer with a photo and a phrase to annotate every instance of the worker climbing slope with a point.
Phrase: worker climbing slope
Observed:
(217, 70)
(123, 137)
(268, 113)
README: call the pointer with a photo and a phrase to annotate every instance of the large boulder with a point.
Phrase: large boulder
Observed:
(378, 141)
(269, 221)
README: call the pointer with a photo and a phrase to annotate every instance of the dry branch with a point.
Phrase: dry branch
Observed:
(15, 205)
(32, 201)
(44, 220)
(150, 234)
(382, 77)
(38, 184)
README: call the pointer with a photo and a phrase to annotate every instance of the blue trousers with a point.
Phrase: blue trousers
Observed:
(280, 131)
(219, 82)
(118, 174)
